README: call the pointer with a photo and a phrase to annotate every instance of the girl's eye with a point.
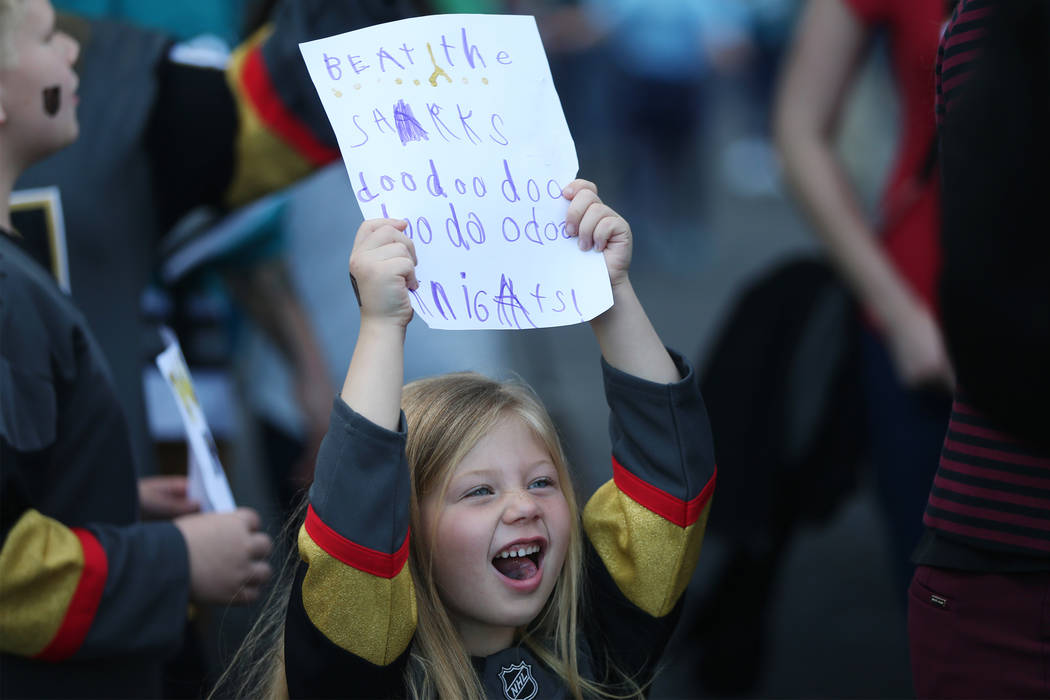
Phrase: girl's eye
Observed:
(480, 491)
(542, 482)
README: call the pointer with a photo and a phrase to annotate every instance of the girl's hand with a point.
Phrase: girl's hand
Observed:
(599, 227)
(382, 266)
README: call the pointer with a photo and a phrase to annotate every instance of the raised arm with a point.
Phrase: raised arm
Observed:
(383, 267)
(626, 336)
(352, 612)
(645, 525)
(829, 44)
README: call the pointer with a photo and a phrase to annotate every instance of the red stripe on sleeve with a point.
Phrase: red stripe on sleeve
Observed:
(255, 78)
(82, 608)
(676, 510)
(352, 554)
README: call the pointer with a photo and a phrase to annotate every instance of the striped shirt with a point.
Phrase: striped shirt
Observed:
(959, 46)
(991, 491)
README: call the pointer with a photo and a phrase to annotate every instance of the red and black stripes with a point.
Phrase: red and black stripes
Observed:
(959, 49)
(990, 487)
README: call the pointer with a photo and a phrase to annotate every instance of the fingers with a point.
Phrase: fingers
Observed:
(258, 573)
(594, 222)
(371, 225)
(403, 267)
(250, 518)
(611, 225)
(256, 578)
(375, 233)
(383, 244)
(260, 545)
(576, 185)
(598, 215)
(394, 249)
(173, 485)
(581, 201)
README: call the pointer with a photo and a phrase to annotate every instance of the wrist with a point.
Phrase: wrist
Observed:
(382, 327)
(621, 288)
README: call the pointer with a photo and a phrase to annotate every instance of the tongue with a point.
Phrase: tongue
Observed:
(517, 568)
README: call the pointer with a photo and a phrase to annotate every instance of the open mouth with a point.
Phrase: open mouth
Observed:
(520, 561)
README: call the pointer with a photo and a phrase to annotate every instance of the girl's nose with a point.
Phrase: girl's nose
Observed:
(521, 506)
(70, 46)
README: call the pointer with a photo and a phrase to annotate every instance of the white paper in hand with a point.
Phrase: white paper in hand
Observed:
(452, 123)
(207, 482)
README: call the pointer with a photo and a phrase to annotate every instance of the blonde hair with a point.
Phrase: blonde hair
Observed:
(10, 18)
(447, 415)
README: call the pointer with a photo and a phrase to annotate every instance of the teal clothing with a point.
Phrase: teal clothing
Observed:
(183, 19)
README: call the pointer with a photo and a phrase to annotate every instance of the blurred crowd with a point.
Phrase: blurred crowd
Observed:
(727, 131)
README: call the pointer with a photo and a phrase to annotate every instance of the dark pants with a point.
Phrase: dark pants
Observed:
(906, 429)
(977, 635)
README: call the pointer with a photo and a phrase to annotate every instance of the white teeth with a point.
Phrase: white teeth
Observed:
(521, 552)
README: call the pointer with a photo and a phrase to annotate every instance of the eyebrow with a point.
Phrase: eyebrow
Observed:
(491, 471)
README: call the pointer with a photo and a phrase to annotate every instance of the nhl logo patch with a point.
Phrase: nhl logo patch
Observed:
(518, 683)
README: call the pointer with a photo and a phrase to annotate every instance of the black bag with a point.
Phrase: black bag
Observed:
(782, 388)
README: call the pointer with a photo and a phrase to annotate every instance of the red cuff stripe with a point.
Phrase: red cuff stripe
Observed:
(82, 608)
(680, 512)
(255, 79)
(352, 554)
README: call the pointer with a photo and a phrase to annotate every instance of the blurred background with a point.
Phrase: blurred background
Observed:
(669, 104)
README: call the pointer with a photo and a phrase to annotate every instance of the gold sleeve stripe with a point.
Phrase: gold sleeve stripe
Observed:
(370, 616)
(679, 511)
(51, 583)
(273, 149)
(650, 558)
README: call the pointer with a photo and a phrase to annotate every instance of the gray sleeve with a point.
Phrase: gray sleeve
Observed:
(660, 432)
(361, 484)
(144, 604)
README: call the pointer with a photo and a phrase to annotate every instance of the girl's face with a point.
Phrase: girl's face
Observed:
(38, 89)
(498, 536)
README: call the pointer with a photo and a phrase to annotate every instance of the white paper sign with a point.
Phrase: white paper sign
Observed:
(206, 479)
(452, 123)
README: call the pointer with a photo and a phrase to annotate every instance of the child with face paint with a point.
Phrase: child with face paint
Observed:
(443, 553)
(84, 584)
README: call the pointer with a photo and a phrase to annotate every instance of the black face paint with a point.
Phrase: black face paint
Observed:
(52, 99)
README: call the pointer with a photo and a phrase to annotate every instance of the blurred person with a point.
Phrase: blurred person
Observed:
(194, 132)
(977, 615)
(891, 264)
(797, 389)
(201, 132)
(91, 600)
(657, 60)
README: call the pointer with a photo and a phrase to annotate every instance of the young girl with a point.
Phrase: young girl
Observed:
(463, 479)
